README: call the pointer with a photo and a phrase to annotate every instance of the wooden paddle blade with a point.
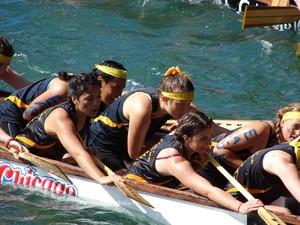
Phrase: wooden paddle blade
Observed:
(126, 190)
(258, 16)
(131, 193)
(45, 165)
(269, 217)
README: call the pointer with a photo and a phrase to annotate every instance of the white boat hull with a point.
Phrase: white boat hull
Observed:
(166, 210)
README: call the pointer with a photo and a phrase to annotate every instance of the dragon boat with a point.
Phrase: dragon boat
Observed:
(164, 205)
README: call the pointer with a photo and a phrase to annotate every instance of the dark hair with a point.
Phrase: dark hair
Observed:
(106, 77)
(77, 86)
(6, 48)
(65, 76)
(192, 123)
(177, 82)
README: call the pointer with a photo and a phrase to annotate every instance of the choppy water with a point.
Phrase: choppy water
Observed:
(238, 74)
(19, 206)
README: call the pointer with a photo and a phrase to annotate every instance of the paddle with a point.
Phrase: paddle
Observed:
(41, 163)
(269, 217)
(127, 191)
(257, 16)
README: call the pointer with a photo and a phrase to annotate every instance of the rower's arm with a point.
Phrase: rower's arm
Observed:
(14, 79)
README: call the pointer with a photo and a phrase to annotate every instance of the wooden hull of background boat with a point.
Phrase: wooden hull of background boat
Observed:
(239, 6)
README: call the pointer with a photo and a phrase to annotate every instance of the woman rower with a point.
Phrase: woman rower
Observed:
(233, 148)
(23, 105)
(11, 144)
(61, 128)
(119, 133)
(274, 172)
(113, 79)
(169, 162)
(7, 73)
(19, 108)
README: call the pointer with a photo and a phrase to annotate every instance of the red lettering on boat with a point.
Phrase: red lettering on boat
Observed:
(29, 177)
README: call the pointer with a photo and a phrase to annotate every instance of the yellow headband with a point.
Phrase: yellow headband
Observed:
(175, 70)
(291, 116)
(179, 95)
(5, 58)
(112, 71)
(296, 144)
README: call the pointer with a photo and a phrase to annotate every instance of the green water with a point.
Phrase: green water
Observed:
(238, 74)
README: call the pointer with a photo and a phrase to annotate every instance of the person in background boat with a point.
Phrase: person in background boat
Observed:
(113, 79)
(11, 144)
(170, 162)
(61, 128)
(233, 148)
(274, 172)
(7, 73)
(23, 105)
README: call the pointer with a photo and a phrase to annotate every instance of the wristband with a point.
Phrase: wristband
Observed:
(6, 143)
(238, 210)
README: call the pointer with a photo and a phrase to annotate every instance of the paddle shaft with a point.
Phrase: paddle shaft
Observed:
(233, 181)
(126, 190)
(267, 216)
(258, 16)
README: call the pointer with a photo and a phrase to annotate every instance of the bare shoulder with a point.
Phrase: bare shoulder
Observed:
(59, 113)
(140, 102)
(278, 155)
(139, 97)
(168, 153)
(59, 85)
